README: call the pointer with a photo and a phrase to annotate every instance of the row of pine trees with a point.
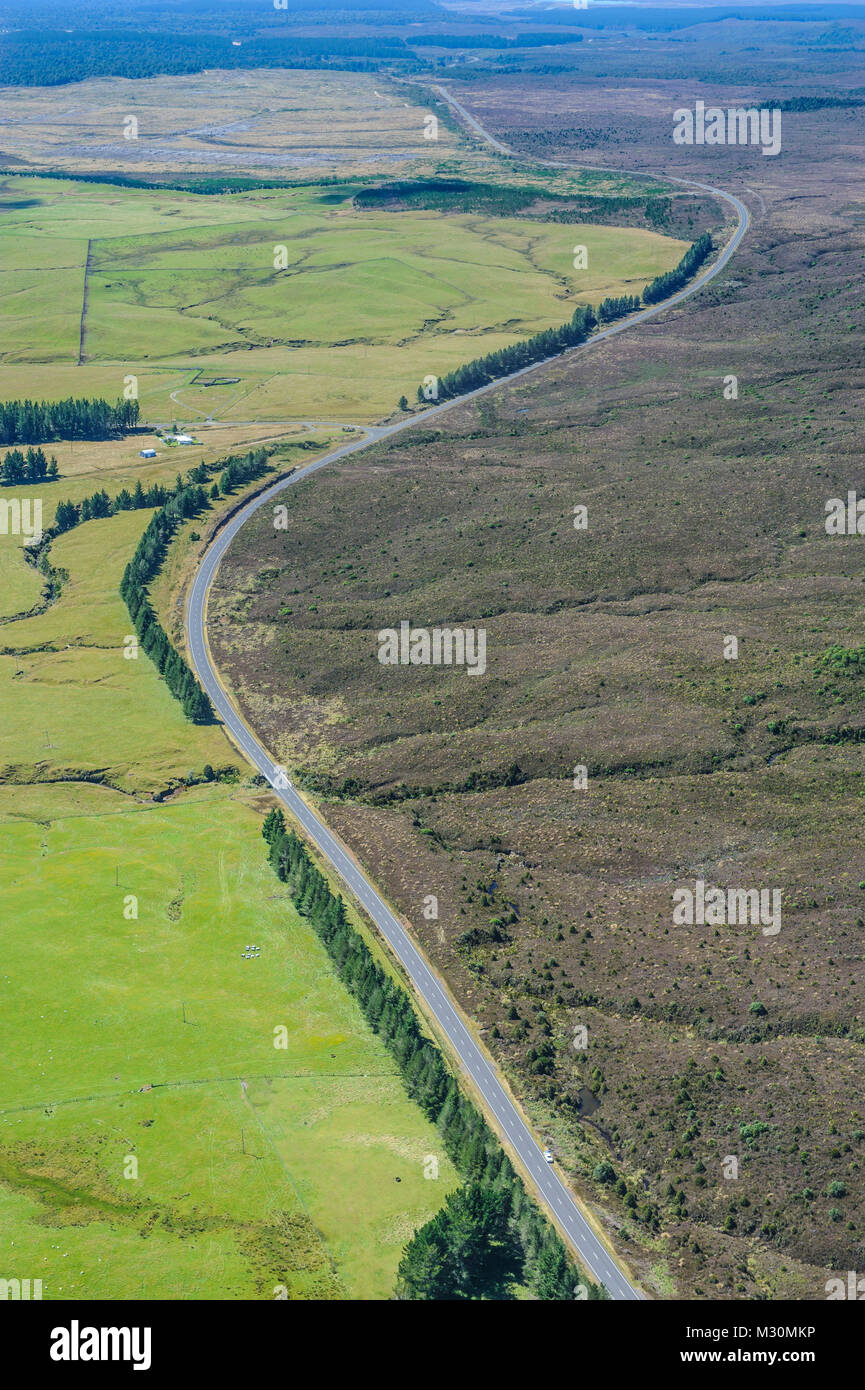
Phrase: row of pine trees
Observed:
(35, 422)
(617, 307)
(188, 498)
(186, 501)
(672, 280)
(239, 469)
(32, 467)
(516, 356)
(243, 468)
(489, 1235)
(99, 504)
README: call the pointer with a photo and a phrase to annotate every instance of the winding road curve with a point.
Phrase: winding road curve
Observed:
(552, 1192)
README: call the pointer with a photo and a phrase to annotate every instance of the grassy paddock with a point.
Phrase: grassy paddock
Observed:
(327, 1128)
(184, 291)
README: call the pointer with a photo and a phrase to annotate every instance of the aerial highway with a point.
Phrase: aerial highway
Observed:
(554, 1195)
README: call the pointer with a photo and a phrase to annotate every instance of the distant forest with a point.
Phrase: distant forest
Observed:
(526, 40)
(163, 37)
(125, 39)
(36, 58)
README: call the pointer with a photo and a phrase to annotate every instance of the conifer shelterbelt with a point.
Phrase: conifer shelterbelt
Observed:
(188, 499)
(512, 358)
(99, 504)
(236, 471)
(242, 469)
(490, 1236)
(32, 467)
(35, 422)
(618, 307)
(665, 285)
(142, 568)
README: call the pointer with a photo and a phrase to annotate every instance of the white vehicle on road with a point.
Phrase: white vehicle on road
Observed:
(548, 1156)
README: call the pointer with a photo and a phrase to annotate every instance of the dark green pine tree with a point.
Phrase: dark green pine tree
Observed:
(197, 707)
(424, 1270)
(555, 1277)
(274, 825)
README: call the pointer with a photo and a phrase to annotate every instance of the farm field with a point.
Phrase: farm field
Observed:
(263, 1157)
(258, 1169)
(20, 583)
(279, 303)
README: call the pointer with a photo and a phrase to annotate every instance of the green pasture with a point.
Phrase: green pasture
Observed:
(20, 584)
(69, 698)
(185, 284)
(40, 313)
(87, 467)
(241, 1146)
(396, 278)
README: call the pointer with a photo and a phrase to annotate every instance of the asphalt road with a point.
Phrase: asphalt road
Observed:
(550, 1188)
